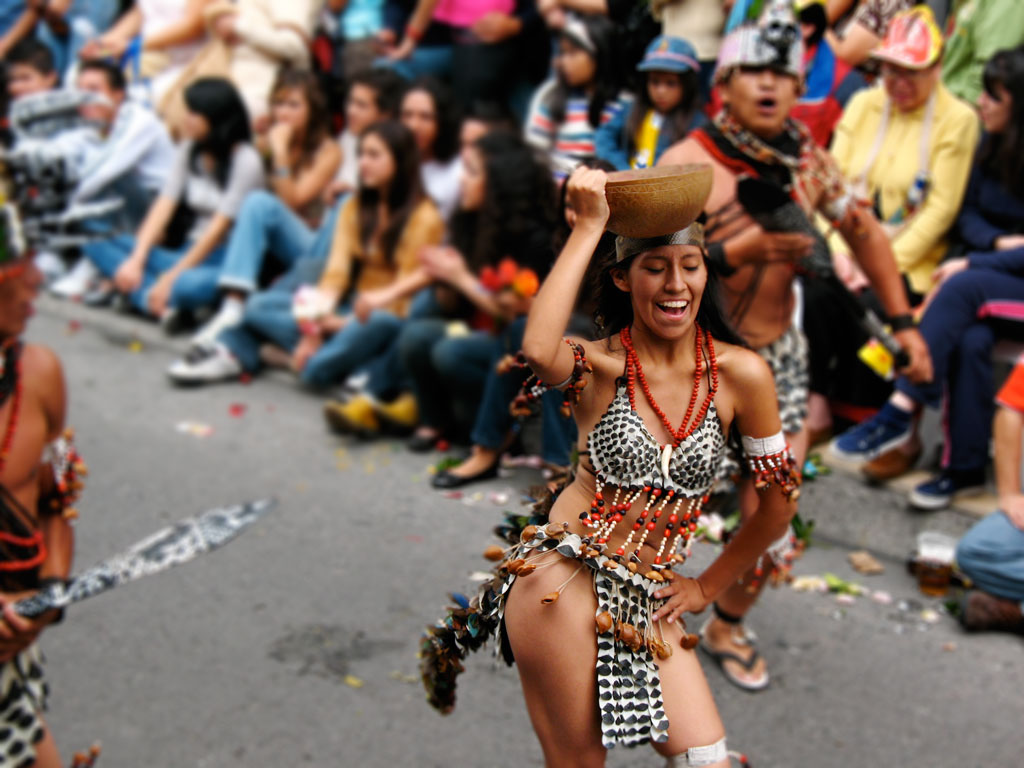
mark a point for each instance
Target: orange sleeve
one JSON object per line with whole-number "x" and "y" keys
{"x": 1012, "y": 393}
{"x": 425, "y": 227}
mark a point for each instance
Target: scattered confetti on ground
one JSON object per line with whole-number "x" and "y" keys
{"x": 353, "y": 682}
{"x": 74, "y": 326}
{"x": 237, "y": 410}
{"x": 195, "y": 428}
{"x": 135, "y": 346}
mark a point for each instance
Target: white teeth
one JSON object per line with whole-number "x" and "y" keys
{"x": 674, "y": 304}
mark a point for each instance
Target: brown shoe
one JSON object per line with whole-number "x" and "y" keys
{"x": 983, "y": 612}
{"x": 889, "y": 465}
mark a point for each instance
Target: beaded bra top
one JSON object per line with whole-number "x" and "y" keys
{"x": 625, "y": 454}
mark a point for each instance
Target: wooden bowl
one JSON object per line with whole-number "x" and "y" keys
{"x": 657, "y": 201}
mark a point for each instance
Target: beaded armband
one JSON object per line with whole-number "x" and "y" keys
{"x": 68, "y": 471}
{"x": 533, "y": 388}
{"x": 771, "y": 461}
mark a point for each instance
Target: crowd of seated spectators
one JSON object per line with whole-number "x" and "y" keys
{"x": 366, "y": 193}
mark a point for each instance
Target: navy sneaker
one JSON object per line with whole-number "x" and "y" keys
{"x": 937, "y": 493}
{"x": 886, "y": 430}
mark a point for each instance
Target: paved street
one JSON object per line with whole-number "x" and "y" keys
{"x": 295, "y": 645}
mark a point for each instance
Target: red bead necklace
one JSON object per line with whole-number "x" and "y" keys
{"x": 634, "y": 371}
{"x": 12, "y": 419}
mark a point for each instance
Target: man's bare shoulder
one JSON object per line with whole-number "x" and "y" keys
{"x": 689, "y": 150}
{"x": 43, "y": 375}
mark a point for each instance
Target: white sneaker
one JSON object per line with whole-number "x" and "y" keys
{"x": 51, "y": 265}
{"x": 204, "y": 365}
{"x": 78, "y": 281}
{"x": 229, "y": 315}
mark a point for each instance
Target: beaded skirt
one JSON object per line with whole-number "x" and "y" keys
{"x": 628, "y": 683}
{"x": 23, "y": 693}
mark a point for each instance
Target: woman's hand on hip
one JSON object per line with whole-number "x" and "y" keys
{"x": 682, "y": 596}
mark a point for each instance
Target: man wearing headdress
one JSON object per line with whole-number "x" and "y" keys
{"x": 37, "y": 485}
{"x": 760, "y": 78}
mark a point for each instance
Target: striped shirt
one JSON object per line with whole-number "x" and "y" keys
{"x": 571, "y": 141}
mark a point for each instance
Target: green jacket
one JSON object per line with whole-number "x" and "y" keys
{"x": 982, "y": 28}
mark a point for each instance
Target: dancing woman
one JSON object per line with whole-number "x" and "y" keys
{"x": 640, "y": 485}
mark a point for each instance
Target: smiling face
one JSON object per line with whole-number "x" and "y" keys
{"x": 760, "y": 99}
{"x": 665, "y": 286}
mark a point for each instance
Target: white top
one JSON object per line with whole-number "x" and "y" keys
{"x": 442, "y": 182}
{"x": 156, "y": 15}
{"x": 204, "y": 195}
{"x": 348, "y": 173}
{"x": 138, "y": 146}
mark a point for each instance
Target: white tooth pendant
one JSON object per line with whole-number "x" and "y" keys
{"x": 666, "y": 458}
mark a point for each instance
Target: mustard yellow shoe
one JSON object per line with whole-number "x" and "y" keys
{"x": 400, "y": 415}
{"x": 354, "y": 417}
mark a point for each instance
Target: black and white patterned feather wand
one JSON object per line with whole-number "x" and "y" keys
{"x": 171, "y": 546}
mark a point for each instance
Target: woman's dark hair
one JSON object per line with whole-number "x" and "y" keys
{"x": 601, "y": 31}
{"x": 114, "y": 74}
{"x": 446, "y": 116}
{"x": 615, "y": 308}
{"x": 517, "y": 214}
{"x": 677, "y": 122}
{"x": 1002, "y": 155}
{"x": 494, "y": 114}
{"x": 217, "y": 100}
{"x": 404, "y": 192}
{"x": 318, "y": 127}
{"x": 387, "y": 86}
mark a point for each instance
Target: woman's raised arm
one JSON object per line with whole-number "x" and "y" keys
{"x": 549, "y": 358}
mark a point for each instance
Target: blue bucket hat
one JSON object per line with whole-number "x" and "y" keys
{"x": 669, "y": 54}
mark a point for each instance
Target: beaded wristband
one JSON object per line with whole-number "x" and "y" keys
{"x": 68, "y": 471}
{"x": 771, "y": 461}
{"x": 533, "y": 388}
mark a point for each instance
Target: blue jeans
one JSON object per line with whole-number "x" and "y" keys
{"x": 992, "y": 554}
{"x": 448, "y": 372}
{"x": 268, "y": 317}
{"x": 493, "y": 419}
{"x": 960, "y": 327}
{"x": 264, "y": 224}
{"x": 194, "y": 288}
{"x": 387, "y": 375}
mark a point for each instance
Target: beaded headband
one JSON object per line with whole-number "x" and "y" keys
{"x": 627, "y": 247}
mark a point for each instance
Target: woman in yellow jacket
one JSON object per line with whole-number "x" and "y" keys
{"x": 909, "y": 144}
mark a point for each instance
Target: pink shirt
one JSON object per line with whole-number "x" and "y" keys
{"x": 463, "y": 13}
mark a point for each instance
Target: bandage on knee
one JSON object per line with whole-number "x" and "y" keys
{"x": 696, "y": 757}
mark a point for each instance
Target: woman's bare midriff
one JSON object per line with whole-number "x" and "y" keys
{"x": 576, "y": 498}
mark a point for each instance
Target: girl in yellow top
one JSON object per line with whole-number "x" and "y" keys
{"x": 355, "y": 312}
{"x": 909, "y": 144}
{"x": 666, "y": 108}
